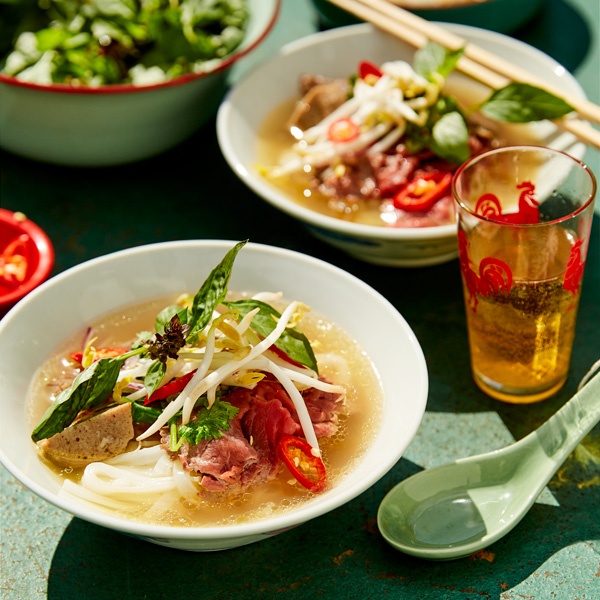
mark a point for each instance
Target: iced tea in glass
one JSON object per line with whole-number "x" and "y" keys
{"x": 524, "y": 218}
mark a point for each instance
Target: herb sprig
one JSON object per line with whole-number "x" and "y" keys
{"x": 446, "y": 132}
{"x": 208, "y": 424}
{"x": 89, "y": 389}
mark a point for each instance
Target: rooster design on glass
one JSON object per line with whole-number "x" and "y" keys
{"x": 494, "y": 276}
{"x": 575, "y": 266}
{"x": 489, "y": 206}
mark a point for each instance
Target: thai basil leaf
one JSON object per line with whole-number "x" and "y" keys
{"x": 144, "y": 414}
{"x": 212, "y": 292}
{"x": 89, "y": 389}
{"x": 450, "y": 138}
{"x": 143, "y": 337}
{"x": 154, "y": 375}
{"x": 163, "y": 318}
{"x": 433, "y": 58}
{"x": 523, "y": 103}
{"x": 293, "y": 342}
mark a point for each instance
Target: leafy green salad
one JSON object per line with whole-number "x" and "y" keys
{"x": 103, "y": 42}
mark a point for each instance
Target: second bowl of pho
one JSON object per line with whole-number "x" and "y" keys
{"x": 203, "y": 395}
{"x": 356, "y": 135}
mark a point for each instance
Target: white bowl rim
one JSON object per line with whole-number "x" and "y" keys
{"x": 337, "y": 226}
{"x": 275, "y": 523}
{"x": 127, "y": 88}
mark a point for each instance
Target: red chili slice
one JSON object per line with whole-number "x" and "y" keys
{"x": 366, "y": 69}
{"x": 173, "y": 387}
{"x": 307, "y": 469}
{"x": 15, "y": 260}
{"x": 343, "y": 130}
{"x": 423, "y": 191}
{"x": 108, "y": 352}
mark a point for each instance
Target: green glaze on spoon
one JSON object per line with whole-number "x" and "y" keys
{"x": 456, "y": 509}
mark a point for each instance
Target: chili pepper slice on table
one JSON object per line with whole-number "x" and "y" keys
{"x": 420, "y": 194}
{"x": 14, "y": 260}
{"x": 343, "y": 130}
{"x": 297, "y": 455}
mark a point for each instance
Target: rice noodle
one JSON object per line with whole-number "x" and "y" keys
{"x": 107, "y": 479}
{"x": 133, "y": 478}
{"x": 162, "y": 504}
{"x": 138, "y": 457}
{"x": 184, "y": 482}
{"x": 70, "y": 490}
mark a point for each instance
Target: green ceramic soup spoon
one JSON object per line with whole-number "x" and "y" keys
{"x": 454, "y": 510}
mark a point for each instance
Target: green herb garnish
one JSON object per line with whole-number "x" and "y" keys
{"x": 209, "y": 423}
{"x": 212, "y": 293}
{"x": 89, "y": 389}
{"x": 446, "y": 132}
{"x": 103, "y": 42}
{"x": 523, "y": 103}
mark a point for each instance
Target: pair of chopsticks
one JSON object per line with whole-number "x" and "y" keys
{"x": 476, "y": 62}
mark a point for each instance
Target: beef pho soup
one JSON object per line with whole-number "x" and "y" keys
{"x": 247, "y": 411}
{"x": 379, "y": 147}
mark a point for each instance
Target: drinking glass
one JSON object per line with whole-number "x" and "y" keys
{"x": 524, "y": 217}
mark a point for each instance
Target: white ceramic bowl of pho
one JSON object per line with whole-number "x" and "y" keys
{"x": 346, "y": 431}
{"x": 254, "y": 136}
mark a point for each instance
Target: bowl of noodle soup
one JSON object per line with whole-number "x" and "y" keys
{"x": 256, "y": 140}
{"x": 121, "y": 287}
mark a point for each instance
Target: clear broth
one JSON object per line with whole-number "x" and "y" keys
{"x": 275, "y": 141}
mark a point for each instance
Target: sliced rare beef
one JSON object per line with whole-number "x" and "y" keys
{"x": 323, "y": 408}
{"x": 245, "y": 455}
{"x": 229, "y": 461}
{"x": 320, "y": 97}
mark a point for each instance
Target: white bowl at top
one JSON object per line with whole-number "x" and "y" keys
{"x": 336, "y": 53}
{"x": 116, "y": 124}
{"x": 96, "y": 288}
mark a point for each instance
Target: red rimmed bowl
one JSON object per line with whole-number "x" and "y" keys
{"x": 117, "y": 124}
{"x": 26, "y": 257}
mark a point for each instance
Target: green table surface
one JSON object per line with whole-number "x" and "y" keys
{"x": 190, "y": 193}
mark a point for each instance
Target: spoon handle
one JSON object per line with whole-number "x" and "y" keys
{"x": 560, "y": 434}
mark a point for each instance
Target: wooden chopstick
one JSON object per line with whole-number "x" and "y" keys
{"x": 433, "y": 4}
{"x": 585, "y": 108}
{"x": 474, "y": 62}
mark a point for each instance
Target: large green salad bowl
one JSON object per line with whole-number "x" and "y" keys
{"x": 112, "y": 124}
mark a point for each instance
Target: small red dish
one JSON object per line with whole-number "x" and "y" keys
{"x": 26, "y": 257}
